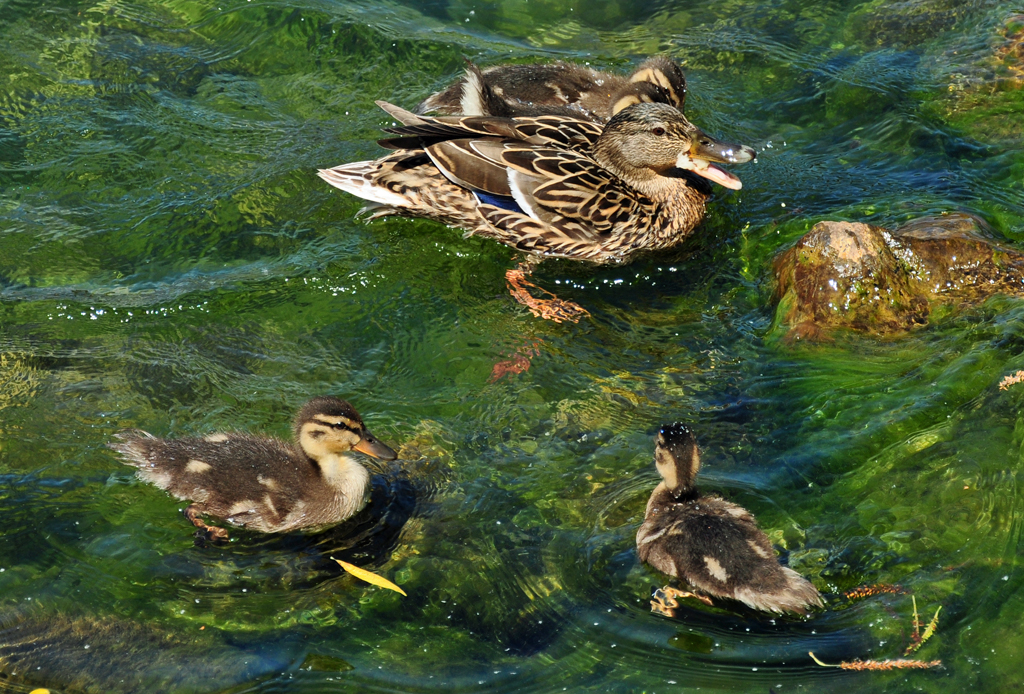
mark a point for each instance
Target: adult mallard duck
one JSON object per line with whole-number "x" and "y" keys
{"x": 264, "y": 483}
{"x": 560, "y": 88}
{"x": 551, "y": 186}
{"x": 712, "y": 544}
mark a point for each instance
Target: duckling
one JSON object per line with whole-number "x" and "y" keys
{"x": 559, "y": 88}
{"x": 712, "y": 544}
{"x": 550, "y": 186}
{"x": 264, "y": 483}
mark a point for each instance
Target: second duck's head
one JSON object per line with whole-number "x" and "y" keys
{"x": 677, "y": 458}
{"x": 328, "y": 426}
{"x": 649, "y": 139}
{"x": 660, "y": 73}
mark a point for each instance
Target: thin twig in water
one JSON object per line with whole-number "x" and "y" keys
{"x": 915, "y": 636}
{"x": 917, "y": 639}
{"x": 900, "y": 664}
{"x": 932, "y": 626}
{"x": 861, "y": 592}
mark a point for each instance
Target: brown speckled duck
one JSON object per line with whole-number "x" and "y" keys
{"x": 559, "y": 88}
{"x": 263, "y": 483}
{"x": 712, "y": 544}
{"x": 551, "y": 186}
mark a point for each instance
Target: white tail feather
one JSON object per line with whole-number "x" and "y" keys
{"x": 352, "y": 178}
{"x": 472, "y": 102}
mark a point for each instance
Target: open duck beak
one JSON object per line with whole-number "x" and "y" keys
{"x": 706, "y": 149}
{"x": 372, "y": 447}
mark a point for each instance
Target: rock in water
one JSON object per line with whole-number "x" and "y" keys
{"x": 853, "y": 275}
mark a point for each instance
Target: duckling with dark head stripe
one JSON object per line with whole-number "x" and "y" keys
{"x": 712, "y": 544}
{"x": 560, "y": 88}
{"x": 263, "y": 483}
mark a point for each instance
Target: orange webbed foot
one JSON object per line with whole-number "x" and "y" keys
{"x": 664, "y": 601}
{"x": 204, "y": 532}
{"x": 553, "y": 309}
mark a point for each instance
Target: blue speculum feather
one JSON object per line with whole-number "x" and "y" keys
{"x": 505, "y": 202}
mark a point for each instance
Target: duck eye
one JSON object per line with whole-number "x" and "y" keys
{"x": 659, "y": 131}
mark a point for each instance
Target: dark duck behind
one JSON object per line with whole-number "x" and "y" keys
{"x": 560, "y": 88}
{"x": 712, "y": 544}
{"x": 263, "y": 483}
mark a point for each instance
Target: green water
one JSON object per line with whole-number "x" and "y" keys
{"x": 170, "y": 261}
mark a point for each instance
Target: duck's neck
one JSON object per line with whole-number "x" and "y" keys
{"x": 663, "y": 497}
{"x": 346, "y": 477}
{"x": 682, "y": 203}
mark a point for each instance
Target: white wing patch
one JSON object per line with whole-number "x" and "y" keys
{"x": 517, "y": 179}
{"x": 716, "y": 569}
{"x": 655, "y": 536}
{"x": 197, "y": 466}
{"x": 758, "y": 550}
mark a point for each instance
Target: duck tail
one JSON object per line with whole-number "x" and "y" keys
{"x": 133, "y": 445}
{"x": 401, "y": 115}
{"x": 360, "y": 179}
{"x": 136, "y": 448}
{"x": 797, "y": 595}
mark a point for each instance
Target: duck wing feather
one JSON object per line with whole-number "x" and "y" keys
{"x": 566, "y": 203}
{"x": 418, "y": 132}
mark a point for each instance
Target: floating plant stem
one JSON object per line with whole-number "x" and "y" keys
{"x": 898, "y": 664}
{"x": 861, "y": 592}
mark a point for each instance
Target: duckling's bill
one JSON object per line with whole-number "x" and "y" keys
{"x": 374, "y": 448}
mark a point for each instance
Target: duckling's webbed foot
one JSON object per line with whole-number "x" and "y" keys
{"x": 209, "y": 533}
{"x": 554, "y": 308}
{"x": 664, "y": 601}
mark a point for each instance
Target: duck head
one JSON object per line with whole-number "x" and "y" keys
{"x": 331, "y": 426}
{"x": 665, "y": 74}
{"x": 677, "y": 458}
{"x": 647, "y": 140}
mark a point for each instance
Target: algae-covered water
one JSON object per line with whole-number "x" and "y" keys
{"x": 170, "y": 261}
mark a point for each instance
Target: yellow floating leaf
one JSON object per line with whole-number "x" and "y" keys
{"x": 369, "y": 576}
{"x": 40, "y": 691}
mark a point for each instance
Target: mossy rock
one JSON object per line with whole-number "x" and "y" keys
{"x": 853, "y": 275}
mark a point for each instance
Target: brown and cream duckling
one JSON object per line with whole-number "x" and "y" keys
{"x": 712, "y": 544}
{"x": 263, "y": 483}
{"x": 560, "y": 88}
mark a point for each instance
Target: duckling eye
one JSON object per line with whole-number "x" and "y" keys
{"x": 658, "y": 130}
